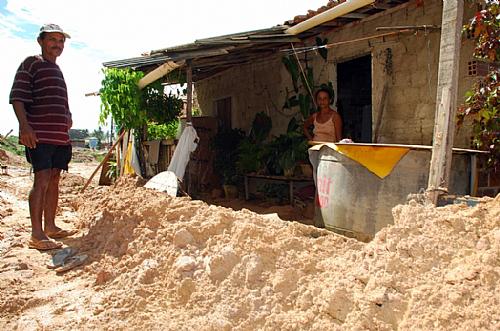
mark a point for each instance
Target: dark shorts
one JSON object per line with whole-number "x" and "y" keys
{"x": 47, "y": 156}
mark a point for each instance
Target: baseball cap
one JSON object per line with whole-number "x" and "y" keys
{"x": 53, "y": 28}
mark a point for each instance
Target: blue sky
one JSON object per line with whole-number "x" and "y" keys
{"x": 113, "y": 29}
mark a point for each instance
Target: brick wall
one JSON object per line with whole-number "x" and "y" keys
{"x": 408, "y": 117}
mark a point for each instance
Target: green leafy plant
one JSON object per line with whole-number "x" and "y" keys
{"x": 484, "y": 28}
{"x": 121, "y": 98}
{"x": 132, "y": 108}
{"x": 12, "y": 145}
{"x": 252, "y": 149}
{"x": 285, "y": 151}
{"x": 482, "y": 101}
{"x": 302, "y": 96}
{"x": 163, "y": 131}
{"x": 292, "y": 67}
{"x": 482, "y": 105}
{"x": 160, "y": 107}
{"x": 112, "y": 172}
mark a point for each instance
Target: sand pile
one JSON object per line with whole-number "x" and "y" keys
{"x": 158, "y": 262}
{"x": 84, "y": 155}
{"x": 71, "y": 183}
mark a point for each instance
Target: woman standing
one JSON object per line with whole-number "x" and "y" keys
{"x": 326, "y": 121}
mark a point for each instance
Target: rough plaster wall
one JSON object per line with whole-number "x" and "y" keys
{"x": 256, "y": 87}
{"x": 408, "y": 117}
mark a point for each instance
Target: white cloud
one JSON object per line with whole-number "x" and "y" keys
{"x": 111, "y": 30}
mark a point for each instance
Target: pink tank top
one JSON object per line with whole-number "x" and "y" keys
{"x": 324, "y": 131}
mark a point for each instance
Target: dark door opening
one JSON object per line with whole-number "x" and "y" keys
{"x": 354, "y": 80}
{"x": 223, "y": 114}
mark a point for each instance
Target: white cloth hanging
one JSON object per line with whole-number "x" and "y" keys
{"x": 187, "y": 144}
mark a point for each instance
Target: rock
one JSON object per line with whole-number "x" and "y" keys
{"x": 220, "y": 265}
{"x": 185, "y": 264}
{"x": 182, "y": 238}
{"x": 254, "y": 267}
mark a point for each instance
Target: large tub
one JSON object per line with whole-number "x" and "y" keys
{"x": 355, "y": 201}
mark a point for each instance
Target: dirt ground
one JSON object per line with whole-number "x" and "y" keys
{"x": 162, "y": 263}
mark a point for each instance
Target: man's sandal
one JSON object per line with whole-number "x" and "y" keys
{"x": 71, "y": 262}
{"x": 43, "y": 245}
{"x": 61, "y": 233}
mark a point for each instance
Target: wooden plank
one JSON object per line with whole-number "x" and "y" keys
{"x": 381, "y": 108}
{"x": 106, "y": 157}
{"x": 446, "y": 99}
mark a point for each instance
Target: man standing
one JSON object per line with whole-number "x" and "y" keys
{"x": 40, "y": 101}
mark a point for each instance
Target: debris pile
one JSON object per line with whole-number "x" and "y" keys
{"x": 157, "y": 262}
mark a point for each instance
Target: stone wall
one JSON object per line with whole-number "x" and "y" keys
{"x": 411, "y": 76}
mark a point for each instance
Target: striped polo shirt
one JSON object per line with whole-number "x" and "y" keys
{"x": 40, "y": 85}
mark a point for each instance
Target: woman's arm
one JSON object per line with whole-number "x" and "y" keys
{"x": 338, "y": 126}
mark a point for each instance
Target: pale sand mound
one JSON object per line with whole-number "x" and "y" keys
{"x": 157, "y": 262}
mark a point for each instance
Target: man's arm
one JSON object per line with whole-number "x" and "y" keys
{"x": 27, "y": 136}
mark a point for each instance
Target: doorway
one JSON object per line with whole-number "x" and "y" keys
{"x": 354, "y": 102}
{"x": 223, "y": 114}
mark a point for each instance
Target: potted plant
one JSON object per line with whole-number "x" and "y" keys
{"x": 286, "y": 150}
{"x": 252, "y": 149}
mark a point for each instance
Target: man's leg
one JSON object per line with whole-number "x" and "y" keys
{"x": 37, "y": 201}
{"x": 51, "y": 201}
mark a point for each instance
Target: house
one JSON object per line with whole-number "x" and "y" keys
{"x": 381, "y": 57}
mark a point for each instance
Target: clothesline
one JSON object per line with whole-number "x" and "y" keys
{"x": 298, "y": 50}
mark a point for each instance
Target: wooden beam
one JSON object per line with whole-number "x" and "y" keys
{"x": 446, "y": 99}
{"x": 355, "y": 15}
{"x": 189, "y": 79}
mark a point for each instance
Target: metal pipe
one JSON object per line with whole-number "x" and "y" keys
{"x": 159, "y": 72}
{"x": 328, "y": 15}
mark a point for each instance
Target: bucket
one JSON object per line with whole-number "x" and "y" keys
{"x": 353, "y": 201}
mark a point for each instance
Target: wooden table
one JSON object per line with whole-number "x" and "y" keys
{"x": 289, "y": 180}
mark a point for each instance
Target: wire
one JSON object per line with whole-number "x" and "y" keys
{"x": 304, "y": 76}
{"x": 327, "y": 46}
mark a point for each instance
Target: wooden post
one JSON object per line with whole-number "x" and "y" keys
{"x": 189, "y": 113}
{"x": 189, "y": 105}
{"x": 446, "y": 99}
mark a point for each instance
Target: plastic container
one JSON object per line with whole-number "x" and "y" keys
{"x": 353, "y": 201}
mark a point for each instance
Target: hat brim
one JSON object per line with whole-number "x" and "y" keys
{"x": 58, "y": 31}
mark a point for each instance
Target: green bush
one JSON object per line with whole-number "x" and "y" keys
{"x": 163, "y": 131}
{"x": 12, "y": 145}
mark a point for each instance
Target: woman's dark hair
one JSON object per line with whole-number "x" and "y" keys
{"x": 326, "y": 90}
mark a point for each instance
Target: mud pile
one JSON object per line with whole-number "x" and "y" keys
{"x": 158, "y": 262}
